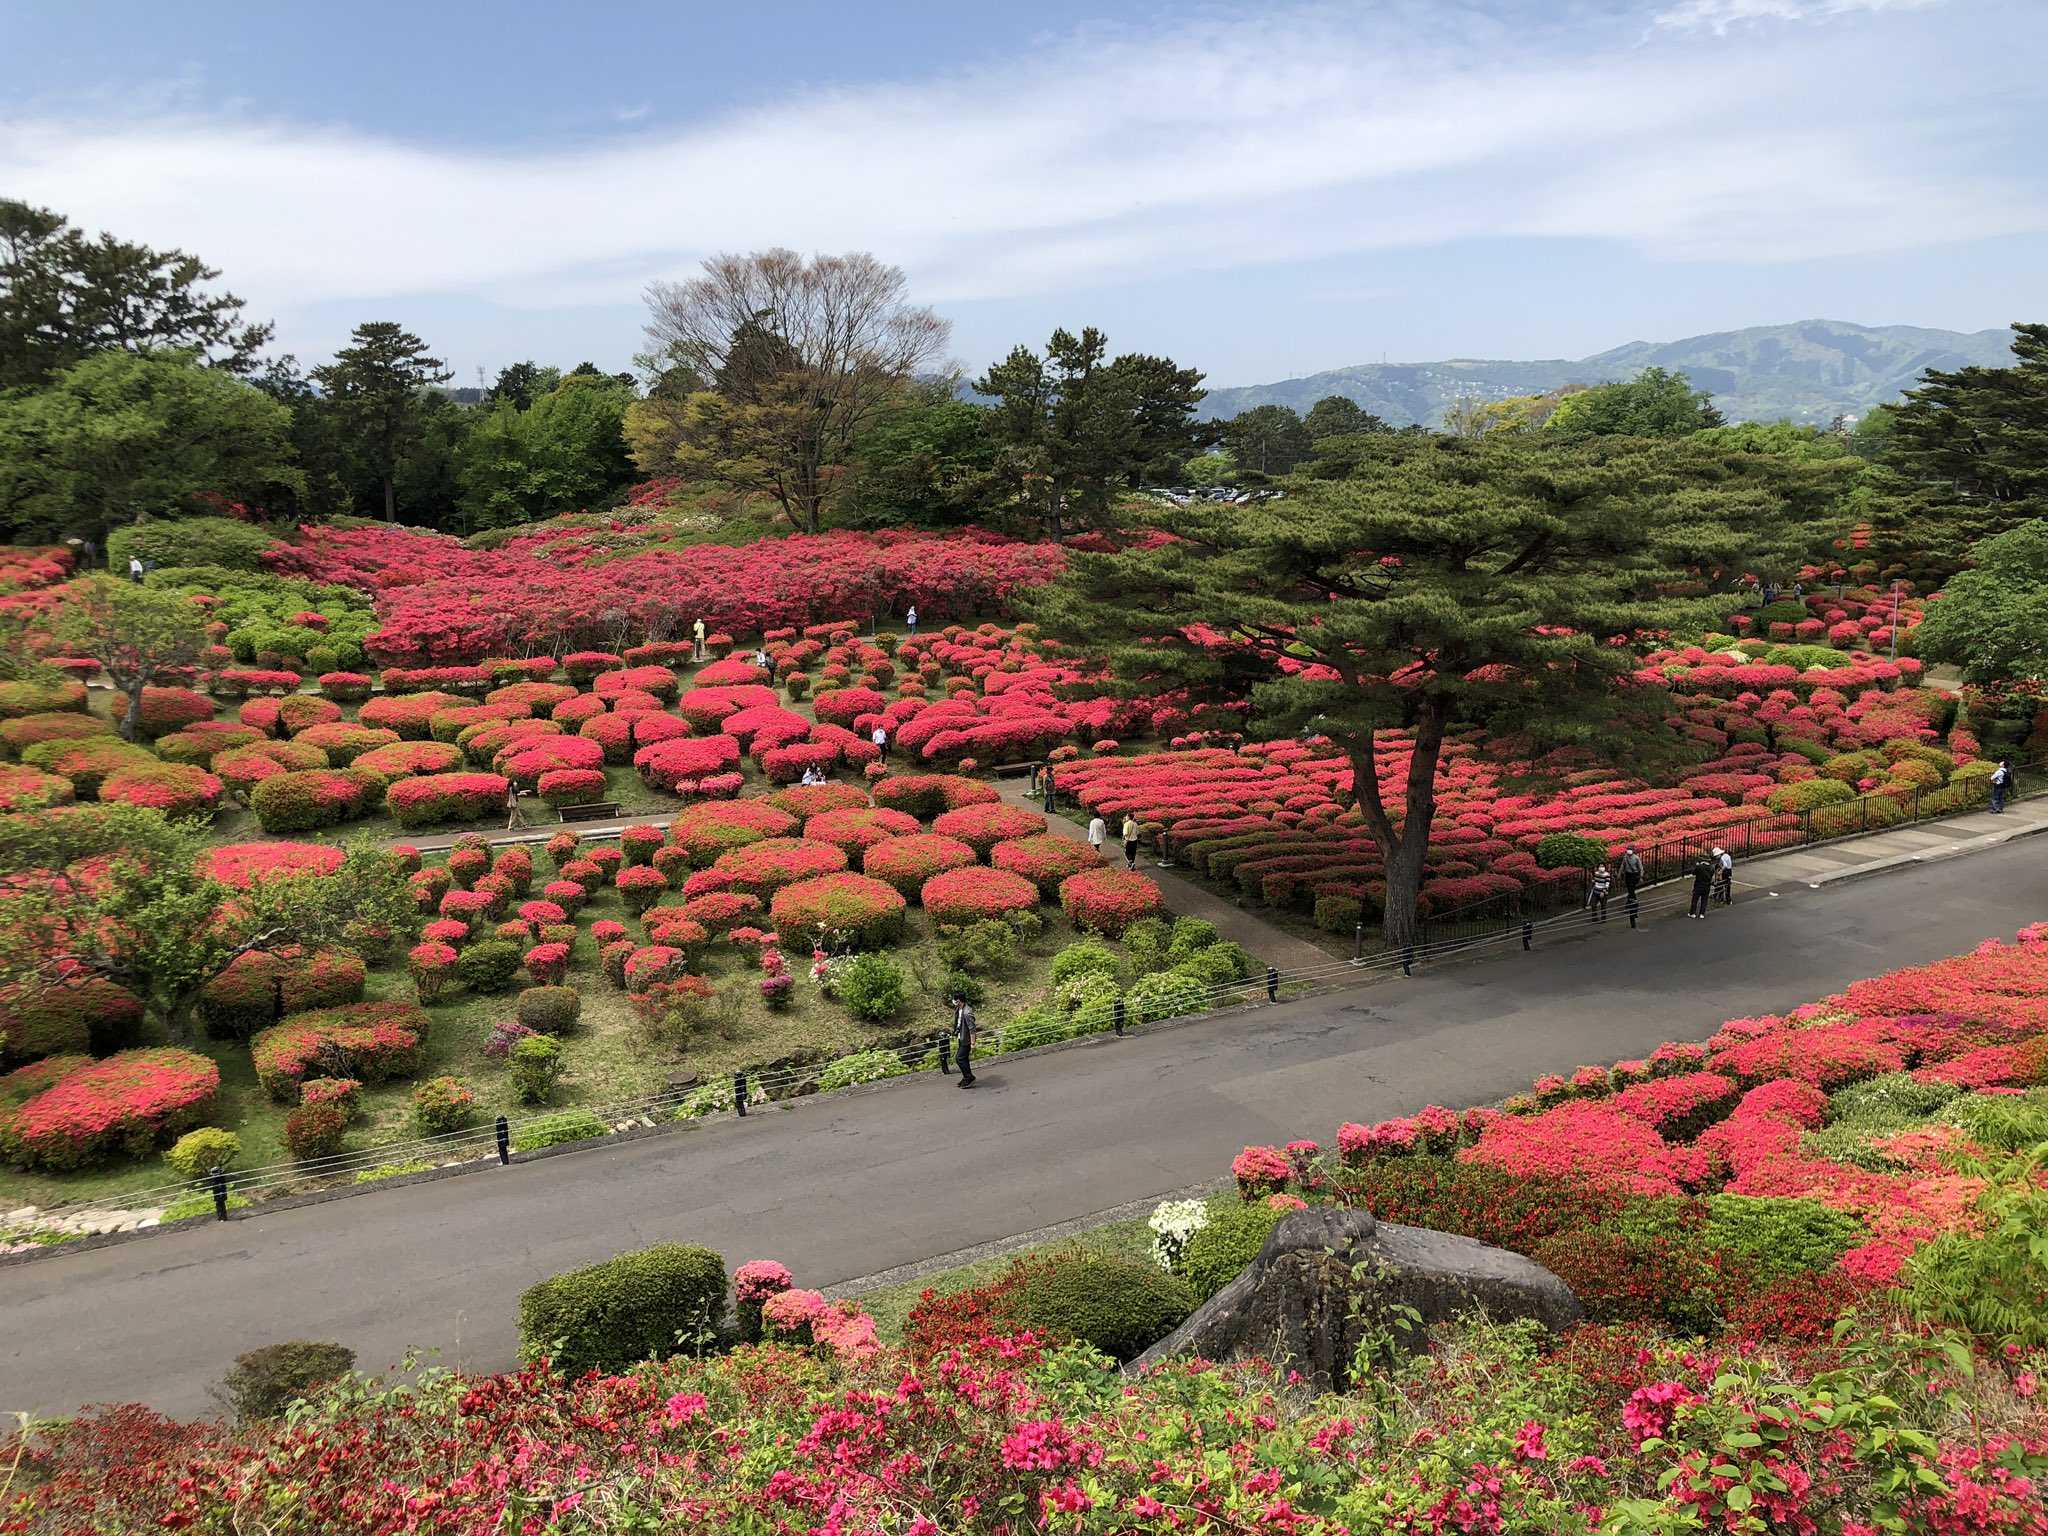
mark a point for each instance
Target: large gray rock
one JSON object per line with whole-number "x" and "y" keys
{"x": 1329, "y": 1279}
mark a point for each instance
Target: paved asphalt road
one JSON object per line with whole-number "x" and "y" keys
{"x": 858, "y": 1183}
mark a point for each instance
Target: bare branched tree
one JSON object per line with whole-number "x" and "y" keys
{"x": 804, "y": 354}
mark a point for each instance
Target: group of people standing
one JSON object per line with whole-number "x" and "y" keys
{"x": 1713, "y": 879}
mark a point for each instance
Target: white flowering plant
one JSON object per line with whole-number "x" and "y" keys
{"x": 1172, "y": 1224}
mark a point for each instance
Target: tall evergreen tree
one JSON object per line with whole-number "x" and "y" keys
{"x": 377, "y": 382}
{"x": 1446, "y": 584}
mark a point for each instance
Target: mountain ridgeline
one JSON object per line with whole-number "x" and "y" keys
{"x": 1810, "y": 372}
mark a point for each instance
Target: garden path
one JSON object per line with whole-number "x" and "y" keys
{"x": 853, "y": 1184}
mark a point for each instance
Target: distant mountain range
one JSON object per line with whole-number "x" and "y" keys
{"x": 1809, "y": 372}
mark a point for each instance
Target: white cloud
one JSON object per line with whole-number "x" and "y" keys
{"x": 1721, "y": 15}
{"x": 1118, "y": 155}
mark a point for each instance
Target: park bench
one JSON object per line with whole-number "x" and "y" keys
{"x": 597, "y": 810}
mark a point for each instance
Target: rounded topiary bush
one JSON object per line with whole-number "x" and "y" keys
{"x": 1109, "y": 900}
{"x": 550, "y": 1010}
{"x": 1570, "y": 850}
{"x": 1222, "y": 1249}
{"x": 313, "y": 798}
{"x": 443, "y": 797}
{"x": 314, "y": 1131}
{"x": 176, "y": 789}
{"x": 489, "y": 966}
{"x": 72, "y": 1111}
{"x": 854, "y": 831}
{"x": 342, "y": 743}
{"x": 763, "y": 868}
{"x": 973, "y": 894}
{"x": 983, "y": 826}
{"x": 66, "y": 1017}
{"x": 1810, "y": 794}
{"x": 715, "y": 827}
{"x": 608, "y": 1316}
{"x": 197, "y": 1153}
{"x": 1046, "y": 860}
{"x": 261, "y": 988}
{"x": 847, "y": 911}
{"x": 371, "y": 1042}
{"x": 441, "y": 1105}
{"x": 925, "y": 795}
{"x": 908, "y": 862}
{"x": 1120, "y": 1306}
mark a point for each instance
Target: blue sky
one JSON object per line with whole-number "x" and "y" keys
{"x": 1257, "y": 190}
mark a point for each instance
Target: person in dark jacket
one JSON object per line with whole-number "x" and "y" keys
{"x": 963, "y": 1040}
{"x": 1702, "y": 886}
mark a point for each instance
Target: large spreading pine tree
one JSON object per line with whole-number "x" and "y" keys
{"x": 1498, "y": 583}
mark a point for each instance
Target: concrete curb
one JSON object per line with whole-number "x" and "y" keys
{"x": 1982, "y": 844}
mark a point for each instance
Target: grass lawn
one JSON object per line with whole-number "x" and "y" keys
{"x": 890, "y": 1304}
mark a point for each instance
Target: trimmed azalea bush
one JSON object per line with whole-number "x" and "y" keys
{"x": 973, "y": 894}
{"x": 176, "y": 789}
{"x": 710, "y": 829}
{"x": 265, "y": 1382}
{"x": 441, "y": 1105}
{"x": 372, "y": 1042}
{"x": 317, "y": 797}
{"x": 907, "y": 863}
{"x": 197, "y": 1153}
{"x": 404, "y": 759}
{"x": 81, "y": 1112}
{"x": 982, "y": 826}
{"x": 854, "y": 831}
{"x": 846, "y": 911}
{"x": 315, "y": 1131}
{"x": 490, "y": 966}
{"x": 925, "y": 795}
{"x": 1109, "y": 900}
{"x": 242, "y": 865}
{"x": 608, "y": 1316}
{"x": 263, "y": 987}
{"x": 765, "y": 867}
{"x": 433, "y": 799}
{"x": 1046, "y": 860}
{"x": 343, "y": 743}
{"x": 67, "y": 1016}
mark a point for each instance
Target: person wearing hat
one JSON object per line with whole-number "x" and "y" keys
{"x": 1724, "y": 876}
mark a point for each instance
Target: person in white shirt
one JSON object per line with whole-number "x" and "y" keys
{"x": 1098, "y": 833}
{"x": 881, "y": 739}
{"x": 910, "y": 618}
{"x": 135, "y": 568}
{"x": 1724, "y": 876}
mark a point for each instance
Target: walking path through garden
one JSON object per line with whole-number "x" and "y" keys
{"x": 853, "y": 1184}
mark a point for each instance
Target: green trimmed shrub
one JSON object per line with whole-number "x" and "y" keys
{"x": 861, "y": 1067}
{"x": 314, "y": 1131}
{"x": 987, "y": 948}
{"x": 1164, "y": 995}
{"x": 1217, "y": 966}
{"x": 264, "y": 1382}
{"x": 1337, "y": 913}
{"x": 1891, "y": 1102}
{"x": 1120, "y": 1306}
{"x": 1570, "y": 850}
{"x": 489, "y": 966}
{"x": 442, "y": 1104}
{"x": 1775, "y": 1238}
{"x": 197, "y": 1153}
{"x": 1222, "y": 1250}
{"x": 872, "y": 987}
{"x": 1188, "y": 937}
{"x": 1085, "y": 957}
{"x": 1809, "y": 794}
{"x": 638, "y": 1306}
{"x": 559, "y": 1128}
{"x": 1147, "y": 940}
{"x": 536, "y": 1063}
{"x": 220, "y": 541}
{"x": 551, "y": 1010}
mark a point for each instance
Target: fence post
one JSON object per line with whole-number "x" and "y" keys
{"x": 945, "y": 1055}
{"x": 1117, "y": 1021}
{"x": 218, "y": 1180}
{"x": 504, "y": 1141}
{"x": 1634, "y": 907}
{"x": 1272, "y": 984}
{"x": 739, "y": 1093}
{"x": 1358, "y": 941}
{"x": 1408, "y": 960}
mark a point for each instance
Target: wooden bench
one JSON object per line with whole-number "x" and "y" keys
{"x": 1013, "y": 770}
{"x": 597, "y": 810}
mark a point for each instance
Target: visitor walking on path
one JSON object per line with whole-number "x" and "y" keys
{"x": 881, "y": 739}
{"x": 963, "y": 1040}
{"x": 511, "y": 805}
{"x": 1098, "y": 832}
{"x": 1631, "y": 880}
{"x": 1724, "y": 876}
{"x": 2001, "y": 782}
{"x": 1049, "y": 790}
{"x": 697, "y": 633}
{"x": 135, "y": 569}
{"x": 1702, "y": 886}
{"x": 1130, "y": 841}
{"x": 1596, "y": 893}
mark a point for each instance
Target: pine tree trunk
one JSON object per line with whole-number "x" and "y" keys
{"x": 1402, "y": 849}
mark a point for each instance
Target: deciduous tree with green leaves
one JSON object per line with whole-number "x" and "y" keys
{"x": 126, "y": 436}
{"x": 151, "y": 921}
{"x": 377, "y": 383}
{"x": 1992, "y": 621}
{"x": 1655, "y": 403}
{"x": 135, "y": 633}
{"x": 1338, "y": 416}
{"x": 1447, "y": 584}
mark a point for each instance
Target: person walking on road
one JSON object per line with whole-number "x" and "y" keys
{"x": 1597, "y": 891}
{"x": 1631, "y": 880}
{"x": 1098, "y": 832}
{"x": 1702, "y": 886}
{"x": 511, "y": 805}
{"x": 1724, "y": 876}
{"x": 2001, "y": 782}
{"x": 963, "y": 1040}
{"x": 881, "y": 739}
{"x": 1130, "y": 841}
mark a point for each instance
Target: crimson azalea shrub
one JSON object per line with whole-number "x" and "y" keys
{"x": 262, "y": 987}
{"x": 707, "y": 831}
{"x": 347, "y": 687}
{"x": 242, "y": 865}
{"x": 925, "y": 795}
{"x": 640, "y": 844}
{"x": 1109, "y": 900}
{"x": 682, "y": 764}
{"x": 371, "y": 1042}
{"x": 526, "y": 761}
{"x": 57, "y": 696}
{"x": 908, "y": 863}
{"x": 432, "y": 965}
{"x": 66, "y": 1017}
{"x": 84, "y": 1112}
{"x": 982, "y": 826}
{"x": 762, "y": 868}
{"x": 176, "y": 789}
{"x": 972, "y": 894}
{"x": 443, "y": 797}
{"x": 24, "y": 788}
{"x": 805, "y": 801}
{"x": 343, "y": 744}
{"x": 315, "y": 797}
{"x": 659, "y": 681}
{"x": 846, "y": 911}
{"x": 854, "y": 831}
{"x": 200, "y": 748}
{"x": 547, "y": 964}
{"x": 168, "y": 710}
{"x": 86, "y": 763}
{"x": 640, "y": 886}
{"x": 411, "y": 715}
{"x": 1045, "y": 860}
{"x": 401, "y": 760}
{"x": 441, "y": 1105}
{"x": 786, "y": 765}
{"x": 61, "y": 725}
{"x": 571, "y": 786}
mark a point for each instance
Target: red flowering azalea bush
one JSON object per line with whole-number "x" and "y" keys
{"x": 843, "y": 911}
{"x": 432, "y": 965}
{"x": 404, "y": 759}
{"x": 262, "y": 986}
{"x": 970, "y": 895}
{"x": 526, "y": 761}
{"x": 371, "y": 1042}
{"x": 982, "y": 826}
{"x": 88, "y": 1111}
{"x": 908, "y": 863}
{"x": 1046, "y": 860}
{"x": 437, "y": 798}
{"x": 706, "y": 831}
{"x": 1109, "y": 900}
{"x": 343, "y": 744}
{"x": 346, "y": 687}
{"x": 804, "y": 801}
{"x": 640, "y": 886}
{"x": 854, "y": 831}
{"x": 708, "y": 708}
{"x": 316, "y": 797}
{"x": 168, "y": 710}
{"x": 22, "y": 788}
{"x": 764, "y": 867}
{"x": 925, "y": 795}
{"x": 681, "y": 764}
{"x": 176, "y": 789}
{"x": 572, "y": 786}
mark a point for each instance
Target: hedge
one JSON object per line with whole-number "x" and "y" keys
{"x": 607, "y": 1316}
{"x": 439, "y": 797}
{"x": 221, "y": 541}
{"x": 344, "y": 743}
